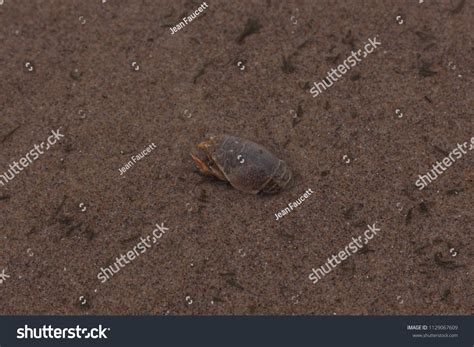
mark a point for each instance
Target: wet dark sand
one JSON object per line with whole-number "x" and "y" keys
{"x": 224, "y": 250}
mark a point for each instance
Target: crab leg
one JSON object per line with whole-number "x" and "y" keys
{"x": 201, "y": 166}
{"x": 210, "y": 170}
{"x": 217, "y": 172}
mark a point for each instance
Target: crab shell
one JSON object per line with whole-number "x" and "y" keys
{"x": 246, "y": 165}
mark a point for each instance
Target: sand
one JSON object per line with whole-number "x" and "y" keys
{"x": 114, "y": 79}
